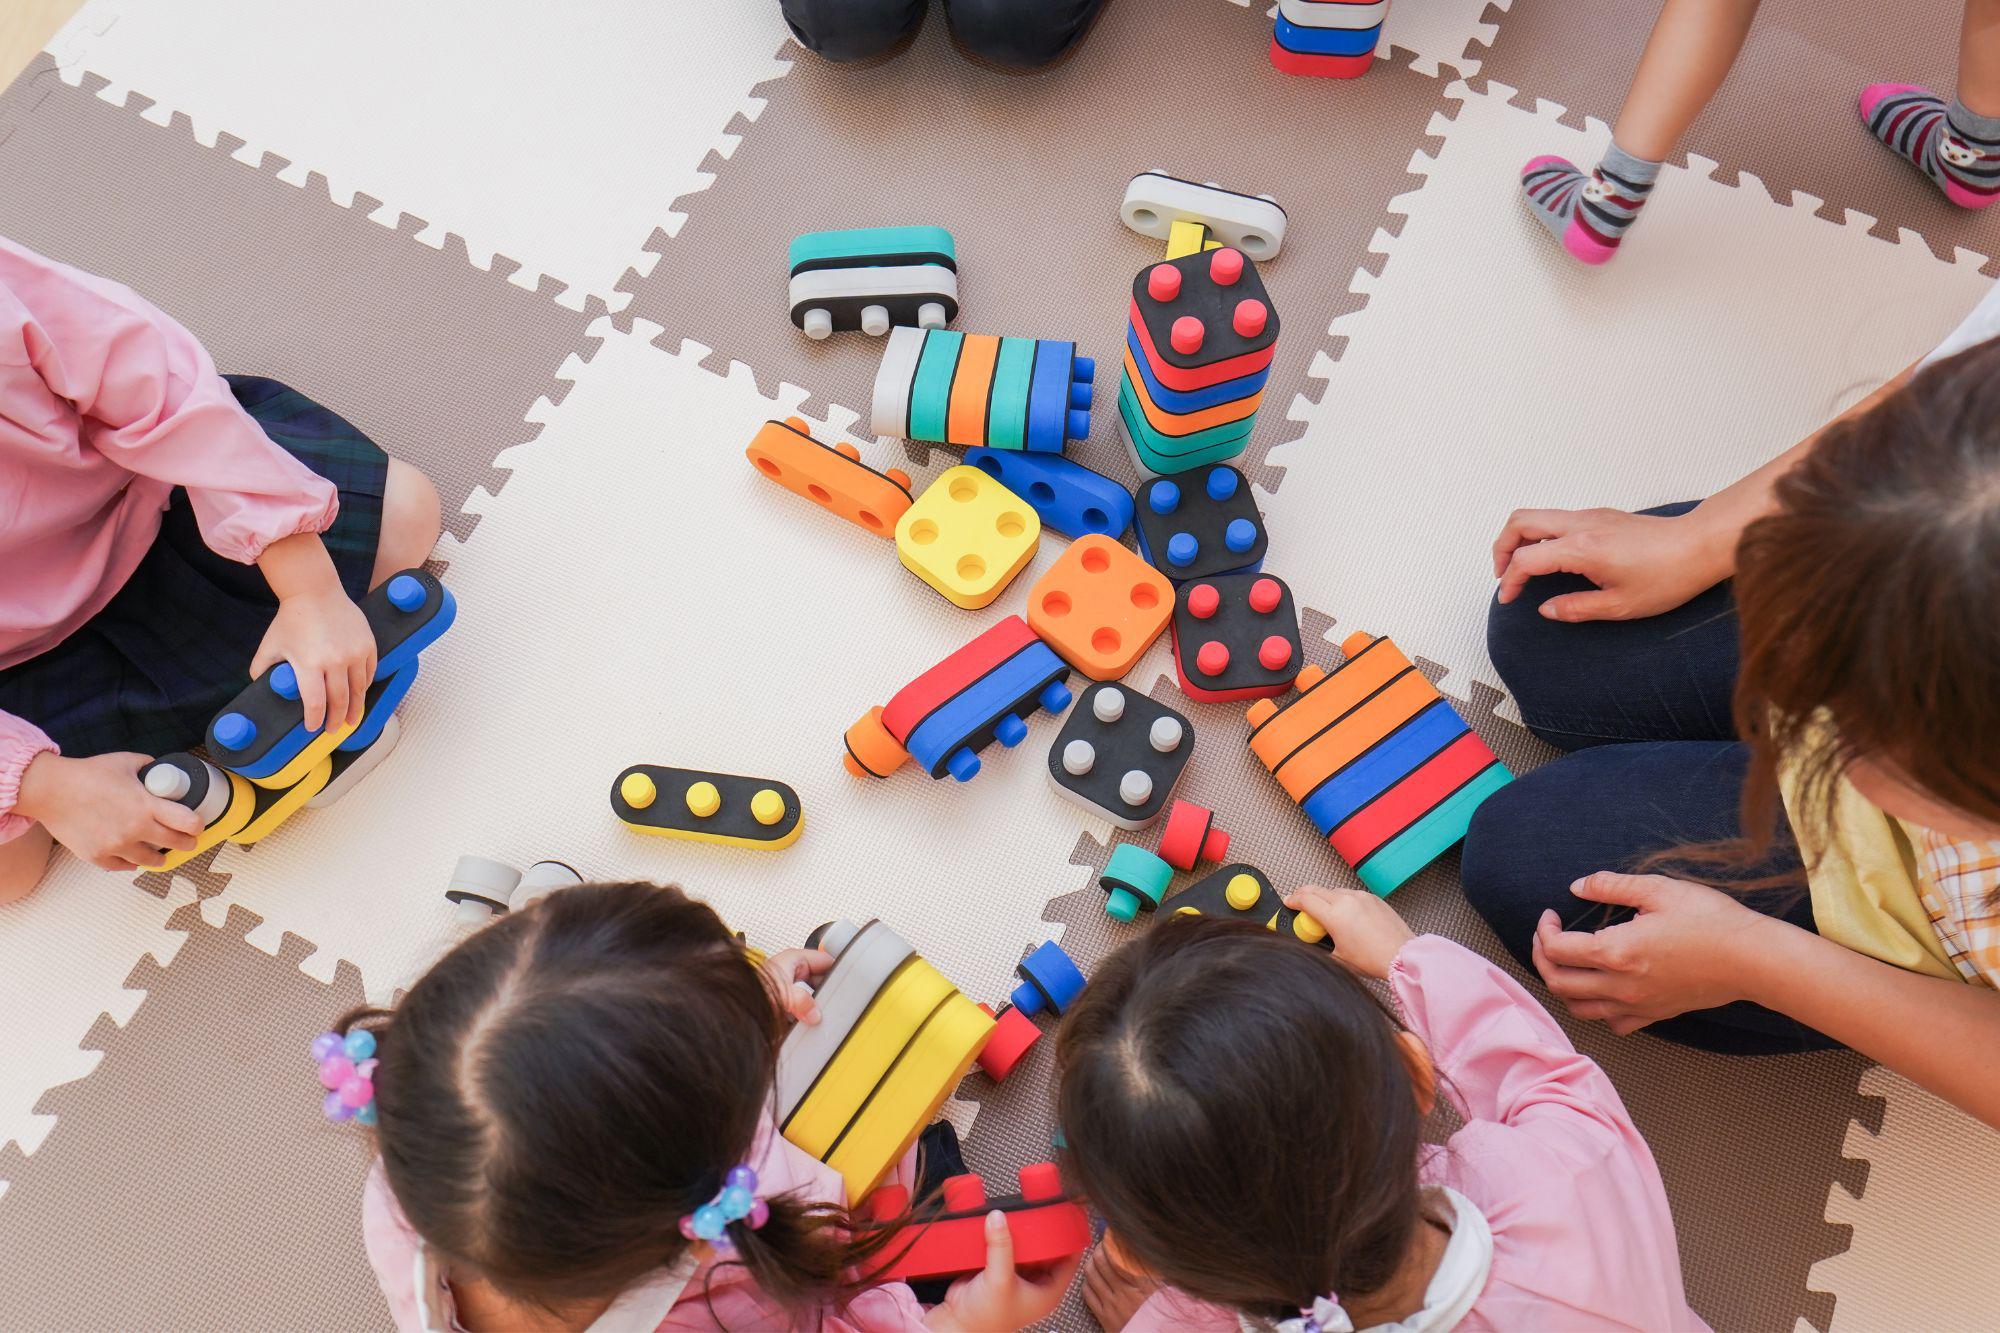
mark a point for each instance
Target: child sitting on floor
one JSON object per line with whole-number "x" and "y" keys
{"x": 563, "y": 1105}
{"x": 161, "y": 531}
{"x": 1247, "y": 1117}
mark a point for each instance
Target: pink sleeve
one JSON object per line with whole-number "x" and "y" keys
{"x": 20, "y": 741}
{"x": 392, "y": 1250}
{"x": 1502, "y": 1057}
{"x": 153, "y": 403}
{"x": 888, "y": 1308}
{"x": 1171, "y": 1311}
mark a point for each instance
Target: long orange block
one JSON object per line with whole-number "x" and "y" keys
{"x": 1279, "y": 730}
{"x": 1355, "y": 733}
{"x": 971, "y": 389}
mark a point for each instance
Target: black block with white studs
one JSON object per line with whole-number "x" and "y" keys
{"x": 1120, "y": 753}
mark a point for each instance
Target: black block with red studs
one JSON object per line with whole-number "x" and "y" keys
{"x": 1236, "y": 636}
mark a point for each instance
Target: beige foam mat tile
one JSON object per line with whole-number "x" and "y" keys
{"x": 1489, "y": 370}
{"x": 1786, "y": 115}
{"x": 191, "y": 1183}
{"x": 556, "y": 136}
{"x": 1922, "y": 1248}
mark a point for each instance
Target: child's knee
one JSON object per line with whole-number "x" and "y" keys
{"x": 852, "y": 29}
{"x": 412, "y": 517}
{"x": 24, "y": 861}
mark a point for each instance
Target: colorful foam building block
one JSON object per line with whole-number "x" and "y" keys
{"x": 946, "y": 1239}
{"x": 967, "y": 536}
{"x": 1333, "y": 39}
{"x": 1070, "y": 498}
{"x": 1014, "y": 1033}
{"x": 1199, "y": 344}
{"x": 977, "y": 389}
{"x": 1100, "y": 607}
{"x": 351, "y": 766}
{"x": 870, "y": 278}
{"x": 224, "y": 801}
{"x": 481, "y": 889}
{"x": 1200, "y": 524}
{"x": 1335, "y": 13}
{"x": 261, "y": 734}
{"x": 1050, "y": 979}
{"x": 832, "y": 476}
{"x": 1119, "y": 755}
{"x": 1244, "y": 893}
{"x": 978, "y": 695}
{"x": 1236, "y": 636}
{"x": 894, "y": 1038}
{"x": 1191, "y": 836}
{"x": 1134, "y": 881}
{"x": 1155, "y": 201}
{"x": 1382, "y": 764}
{"x": 700, "y": 806}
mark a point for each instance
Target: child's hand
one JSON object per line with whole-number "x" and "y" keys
{"x": 1366, "y": 932}
{"x": 998, "y": 1296}
{"x": 789, "y": 971}
{"x": 98, "y": 808}
{"x": 1112, "y": 1292}
{"x": 326, "y": 638}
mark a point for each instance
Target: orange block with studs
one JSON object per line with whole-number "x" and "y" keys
{"x": 1100, "y": 606}
{"x": 832, "y": 476}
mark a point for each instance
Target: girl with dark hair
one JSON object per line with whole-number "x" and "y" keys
{"x": 1790, "y": 690}
{"x": 1248, "y": 1118}
{"x": 573, "y": 1114}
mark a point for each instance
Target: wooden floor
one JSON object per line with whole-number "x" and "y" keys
{"x": 25, "y": 26}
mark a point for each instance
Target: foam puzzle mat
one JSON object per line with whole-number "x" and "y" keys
{"x": 538, "y": 251}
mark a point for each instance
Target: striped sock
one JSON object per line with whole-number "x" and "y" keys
{"x": 1954, "y": 147}
{"x": 1589, "y": 214}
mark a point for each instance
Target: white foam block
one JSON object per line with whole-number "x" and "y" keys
{"x": 556, "y": 135}
{"x": 1489, "y": 371}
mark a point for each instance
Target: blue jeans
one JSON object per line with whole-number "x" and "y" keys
{"x": 1021, "y": 33}
{"x": 1643, "y": 708}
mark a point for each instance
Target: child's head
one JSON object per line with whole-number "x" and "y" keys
{"x": 1245, "y": 1115}
{"x": 568, "y": 1083}
{"x": 1868, "y": 599}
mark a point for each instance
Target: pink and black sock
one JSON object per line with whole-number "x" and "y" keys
{"x": 1957, "y": 148}
{"x": 1589, "y": 214}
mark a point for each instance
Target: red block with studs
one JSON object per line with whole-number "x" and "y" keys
{"x": 1236, "y": 636}
{"x": 1203, "y": 318}
{"x": 946, "y": 1238}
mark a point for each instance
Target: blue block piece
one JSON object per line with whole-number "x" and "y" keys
{"x": 1068, "y": 496}
{"x": 1192, "y": 400}
{"x": 285, "y": 681}
{"x": 235, "y": 730}
{"x": 384, "y": 698}
{"x": 1392, "y": 759}
{"x": 1080, "y": 393}
{"x": 1055, "y": 696}
{"x": 1326, "y": 41}
{"x": 406, "y": 652}
{"x": 1050, "y": 979}
{"x": 1200, "y": 524}
{"x": 1010, "y": 730}
{"x": 966, "y": 722}
{"x": 1052, "y": 418}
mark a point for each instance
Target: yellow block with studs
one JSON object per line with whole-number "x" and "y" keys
{"x": 892, "y": 1021}
{"x": 274, "y": 808}
{"x": 701, "y": 806}
{"x": 910, "y": 1097}
{"x": 968, "y": 536}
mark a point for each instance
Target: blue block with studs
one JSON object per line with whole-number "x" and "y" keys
{"x": 1200, "y": 524}
{"x": 1050, "y": 979}
{"x": 1069, "y": 497}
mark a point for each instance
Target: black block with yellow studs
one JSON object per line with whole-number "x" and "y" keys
{"x": 707, "y": 807}
{"x": 1244, "y": 893}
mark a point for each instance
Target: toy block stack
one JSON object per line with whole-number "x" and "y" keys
{"x": 869, "y": 278}
{"x": 1197, "y": 353}
{"x": 1332, "y": 39}
{"x": 1382, "y": 764}
{"x": 947, "y": 387}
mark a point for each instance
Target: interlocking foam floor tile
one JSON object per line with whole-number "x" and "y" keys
{"x": 1027, "y": 174}
{"x": 1489, "y": 370}
{"x": 555, "y": 135}
{"x": 434, "y": 359}
{"x": 1787, "y": 113}
{"x": 191, "y": 1182}
{"x": 1440, "y": 32}
{"x": 639, "y": 593}
{"x": 1922, "y": 1252}
{"x": 65, "y": 955}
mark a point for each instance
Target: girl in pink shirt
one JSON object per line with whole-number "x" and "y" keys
{"x": 1248, "y": 1118}
{"x": 565, "y": 1094}
{"x": 165, "y": 534}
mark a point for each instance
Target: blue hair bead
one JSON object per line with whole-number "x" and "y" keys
{"x": 360, "y": 1044}
{"x": 365, "y": 1115}
{"x": 708, "y": 1222}
{"x": 735, "y": 1203}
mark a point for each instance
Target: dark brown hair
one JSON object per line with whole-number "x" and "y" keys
{"x": 568, "y": 1082}
{"x": 1238, "y": 1109}
{"x": 1870, "y": 606}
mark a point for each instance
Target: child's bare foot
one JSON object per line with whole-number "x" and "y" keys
{"x": 1111, "y": 1293}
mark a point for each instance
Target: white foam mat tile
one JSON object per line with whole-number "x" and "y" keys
{"x": 639, "y": 593}
{"x": 555, "y": 135}
{"x": 1922, "y": 1252}
{"x": 65, "y": 953}
{"x": 1439, "y": 32}
{"x": 1489, "y": 370}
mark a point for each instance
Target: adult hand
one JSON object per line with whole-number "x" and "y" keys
{"x": 1642, "y": 564}
{"x": 1367, "y": 933}
{"x": 98, "y": 808}
{"x": 326, "y": 638}
{"x": 1689, "y": 947}
{"x": 1000, "y": 1296}
{"x": 790, "y": 971}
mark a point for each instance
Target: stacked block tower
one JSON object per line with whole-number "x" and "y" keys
{"x": 947, "y": 387}
{"x": 1333, "y": 39}
{"x": 1197, "y": 354}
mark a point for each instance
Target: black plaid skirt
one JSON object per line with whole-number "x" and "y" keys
{"x": 148, "y": 671}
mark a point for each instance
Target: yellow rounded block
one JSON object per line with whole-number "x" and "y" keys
{"x": 967, "y": 536}
{"x": 1243, "y": 892}
{"x": 1307, "y": 929}
{"x": 909, "y": 1098}
{"x": 874, "y": 1046}
{"x": 287, "y": 803}
{"x": 242, "y": 805}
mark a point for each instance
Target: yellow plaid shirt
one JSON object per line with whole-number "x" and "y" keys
{"x": 1959, "y": 883}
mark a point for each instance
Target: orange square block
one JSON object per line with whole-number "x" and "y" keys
{"x": 1100, "y": 607}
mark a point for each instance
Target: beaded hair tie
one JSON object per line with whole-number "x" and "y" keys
{"x": 736, "y": 1201}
